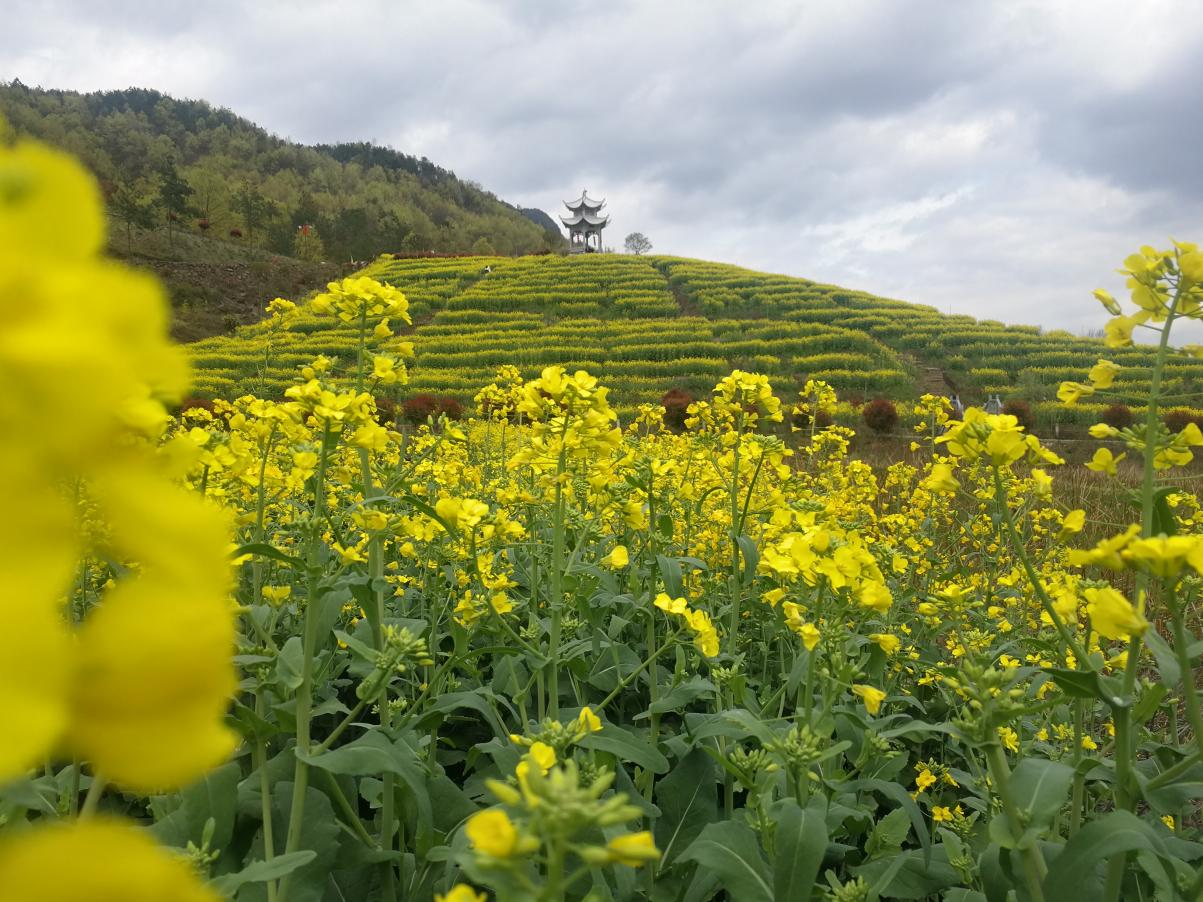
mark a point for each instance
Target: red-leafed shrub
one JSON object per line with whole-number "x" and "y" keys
{"x": 1118, "y": 416}
{"x": 676, "y": 403}
{"x": 195, "y": 404}
{"x": 880, "y": 415}
{"x": 1178, "y": 419}
{"x": 822, "y": 420}
{"x": 1022, "y": 411}
{"x": 420, "y": 408}
{"x": 450, "y": 407}
{"x": 386, "y": 411}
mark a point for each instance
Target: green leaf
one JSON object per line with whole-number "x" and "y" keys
{"x": 215, "y": 795}
{"x": 626, "y": 746}
{"x": 897, "y": 793}
{"x": 664, "y": 524}
{"x": 362, "y": 649}
{"x": 1164, "y": 523}
{"x": 687, "y": 802}
{"x": 734, "y": 723}
{"x": 319, "y": 833}
{"x": 289, "y": 663}
{"x": 909, "y": 875}
{"x": 800, "y": 844}
{"x": 916, "y": 726}
{"x": 37, "y": 795}
{"x": 1149, "y": 702}
{"x": 960, "y": 894}
{"x": 1039, "y": 788}
{"x": 475, "y": 700}
{"x": 1077, "y": 683}
{"x": 1167, "y": 661}
{"x": 888, "y": 834}
{"x": 262, "y": 549}
{"x": 670, "y": 572}
{"x": 1119, "y": 831}
{"x": 1170, "y": 797}
{"x": 369, "y": 755}
{"x": 262, "y": 871}
{"x": 751, "y": 558}
{"x": 731, "y": 851}
{"x": 680, "y": 696}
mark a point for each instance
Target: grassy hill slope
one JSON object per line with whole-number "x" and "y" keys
{"x": 645, "y": 325}
{"x": 362, "y": 199}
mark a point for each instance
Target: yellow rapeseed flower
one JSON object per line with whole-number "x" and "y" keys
{"x": 142, "y": 690}
{"x": 633, "y": 849}
{"x": 887, "y": 642}
{"x": 941, "y": 480}
{"x": 92, "y": 860}
{"x": 871, "y": 696}
{"x": 587, "y": 721}
{"x": 461, "y": 892}
{"x": 1009, "y": 738}
{"x": 493, "y": 833}
{"x": 1112, "y": 615}
{"x": 617, "y": 558}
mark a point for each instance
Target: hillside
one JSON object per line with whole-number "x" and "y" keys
{"x": 200, "y": 168}
{"x": 648, "y": 324}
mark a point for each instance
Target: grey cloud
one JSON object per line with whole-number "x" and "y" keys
{"x": 993, "y": 158}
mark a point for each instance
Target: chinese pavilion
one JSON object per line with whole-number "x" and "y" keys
{"x": 585, "y": 224}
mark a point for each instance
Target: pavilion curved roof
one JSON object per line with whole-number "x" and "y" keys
{"x": 584, "y": 201}
{"x": 585, "y": 219}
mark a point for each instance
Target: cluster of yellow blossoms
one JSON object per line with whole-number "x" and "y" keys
{"x": 705, "y": 636}
{"x": 136, "y": 681}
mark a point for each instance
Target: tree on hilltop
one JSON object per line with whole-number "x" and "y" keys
{"x": 135, "y": 210}
{"x": 174, "y": 194}
{"x": 255, "y": 209}
{"x": 637, "y": 243}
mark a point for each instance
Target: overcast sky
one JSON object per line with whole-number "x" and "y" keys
{"x": 992, "y": 158}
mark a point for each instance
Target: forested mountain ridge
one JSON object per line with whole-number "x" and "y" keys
{"x": 187, "y": 166}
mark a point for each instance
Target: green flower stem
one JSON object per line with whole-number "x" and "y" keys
{"x": 304, "y": 695}
{"x": 553, "y": 889}
{"x": 1189, "y": 693}
{"x": 653, "y": 683}
{"x": 259, "y": 761}
{"x": 260, "y": 536}
{"x": 350, "y": 815}
{"x": 500, "y": 620}
{"x": 1000, "y": 498}
{"x": 325, "y": 744}
{"x": 376, "y": 573}
{"x": 363, "y": 334}
{"x": 1079, "y": 784}
{"x": 1170, "y": 774}
{"x": 670, "y": 642}
{"x": 557, "y": 587}
{"x": 736, "y": 589}
{"x": 1122, "y": 717}
{"x": 1034, "y": 868}
{"x": 95, "y": 791}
